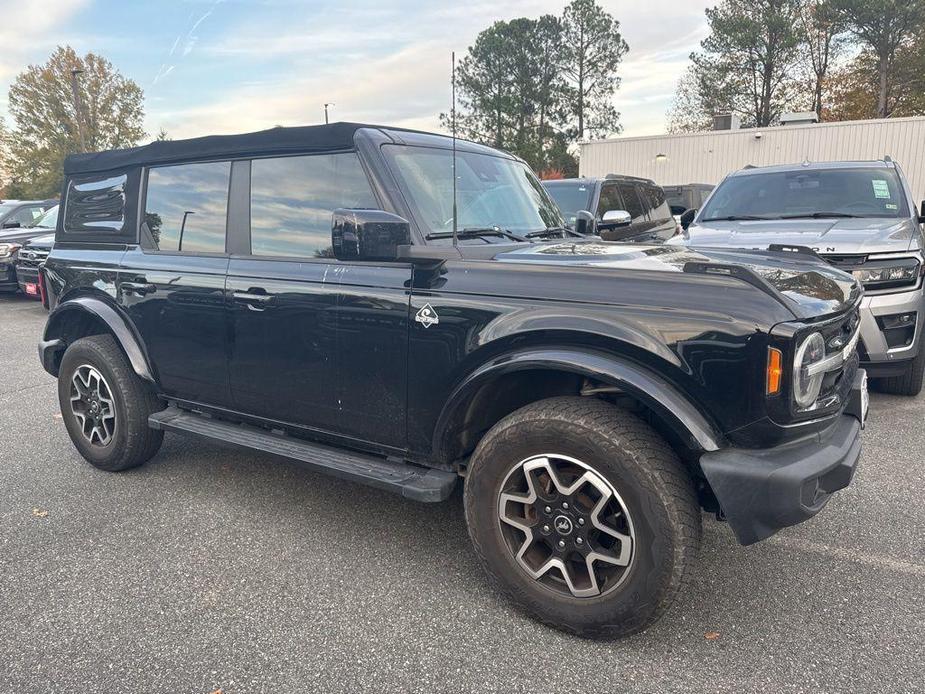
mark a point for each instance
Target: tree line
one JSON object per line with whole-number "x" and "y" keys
{"x": 535, "y": 87}
{"x": 843, "y": 59}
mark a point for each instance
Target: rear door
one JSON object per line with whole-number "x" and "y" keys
{"x": 172, "y": 285}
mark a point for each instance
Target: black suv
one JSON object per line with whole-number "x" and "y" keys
{"x": 310, "y": 292}
{"x": 617, "y": 208}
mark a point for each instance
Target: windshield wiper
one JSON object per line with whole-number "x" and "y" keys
{"x": 475, "y": 232}
{"x": 736, "y": 218}
{"x": 558, "y": 232}
{"x": 818, "y": 215}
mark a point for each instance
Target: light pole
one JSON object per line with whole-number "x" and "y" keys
{"x": 78, "y": 108}
{"x": 326, "y": 112}
{"x": 182, "y": 228}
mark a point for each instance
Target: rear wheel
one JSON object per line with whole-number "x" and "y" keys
{"x": 105, "y": 405}
{"x": 909, "y": 382}
{"x": 583, "y": 515}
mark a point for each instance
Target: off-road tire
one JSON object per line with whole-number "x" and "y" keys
{"x": 909, "y": 382}
{"x": 657, "y": 491}
{"x": 133, "y": 441}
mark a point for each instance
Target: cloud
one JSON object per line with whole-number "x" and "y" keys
{"x": 34, "y": 20}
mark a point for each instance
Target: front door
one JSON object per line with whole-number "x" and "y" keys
{"x": 172, "y": 286}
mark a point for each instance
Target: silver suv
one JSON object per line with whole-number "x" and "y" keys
{"x": 858, "y": 215}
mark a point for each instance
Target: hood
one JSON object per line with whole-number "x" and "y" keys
{"x": 44, "y": 241}
{"x": 809, "y": 287}
{"x": 847, "y": 236}
{"x": 21, "y": 234}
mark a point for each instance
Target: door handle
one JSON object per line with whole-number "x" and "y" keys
{"x": 140, "y": 288}
{"x": 255, "y": 302}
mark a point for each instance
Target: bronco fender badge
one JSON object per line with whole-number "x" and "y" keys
{"x": 427, "y": 316}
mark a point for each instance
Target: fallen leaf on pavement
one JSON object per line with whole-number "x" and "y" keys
{"x": 39, "y": 512}
{"x": 711, "y": 635}
{"x": 57, "y": 415}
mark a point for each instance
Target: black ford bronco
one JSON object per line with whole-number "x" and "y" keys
{"x": 335, "y": 295}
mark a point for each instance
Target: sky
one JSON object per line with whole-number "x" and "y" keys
{"x": 225, "y": 66}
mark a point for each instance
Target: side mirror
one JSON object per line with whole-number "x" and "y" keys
{"x": 616, "y": 218}
{"x": 677, "y": 209}
{"x": 922, "y": 213}
{"x": 11, "y": 225}
{"x": 585, "y": 224}
{"x": 688, "y": 217}
{"x": 368, "y": 234}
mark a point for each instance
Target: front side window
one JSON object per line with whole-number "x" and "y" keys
{"x": 185, "y": 207}
{"x": 631, "y": 199}
{"x": 293, "y": 198}
{"x": 610, "y": 200}
{"x": 860, "y": 192}
{"x": 491, "y": 191}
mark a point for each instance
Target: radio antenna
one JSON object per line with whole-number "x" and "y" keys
{"x": 453, "y": 128}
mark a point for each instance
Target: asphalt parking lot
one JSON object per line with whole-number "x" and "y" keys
{"x": 211, "y": 569}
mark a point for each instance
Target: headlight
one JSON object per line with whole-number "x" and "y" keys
{"x": 806, "y": 387}
{"x": 888, "y": 274}
{"x": 8, "y": 249}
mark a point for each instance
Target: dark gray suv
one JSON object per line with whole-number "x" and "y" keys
{"x": 859, "y": 216}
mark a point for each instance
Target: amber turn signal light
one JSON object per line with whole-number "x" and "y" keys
{"x": 775, "y": 372}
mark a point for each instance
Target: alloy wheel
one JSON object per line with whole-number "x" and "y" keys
{"x": 566, "y": 525}
{"x": 93, "y": 406}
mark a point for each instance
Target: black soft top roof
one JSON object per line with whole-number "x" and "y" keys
{"x": 309, "y": 138}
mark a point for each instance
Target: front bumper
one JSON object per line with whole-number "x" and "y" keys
{"x": 877, "y": 355}
{"x": 761, "y": 491}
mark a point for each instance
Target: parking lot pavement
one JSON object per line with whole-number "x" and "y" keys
{"x": 211, "y": 568}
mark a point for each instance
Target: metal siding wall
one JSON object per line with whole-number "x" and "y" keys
{"x": 708, "y": 157}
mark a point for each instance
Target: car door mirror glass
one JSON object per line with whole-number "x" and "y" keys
{"x": 687, "y": 218}
{"x": 616, "y": 218}
{"x": 368, "y": 234}
{"x": 585, "y": 223}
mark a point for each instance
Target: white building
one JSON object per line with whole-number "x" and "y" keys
{"x": 708, "y": 156}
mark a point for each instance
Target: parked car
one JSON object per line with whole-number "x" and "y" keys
{"x": 618, "y": 208}
{"x": 30, "y": 257}
{"x": 22, "y": 213}
{"x": 861, "y": 218}
{"x": 688, "y": 196}
{"x": 302, "y": 292}
{"x": 13, "y": 238}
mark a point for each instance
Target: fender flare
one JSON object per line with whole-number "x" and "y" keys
{"x": 114, "y": 320}
{"x": 665, "y": 399}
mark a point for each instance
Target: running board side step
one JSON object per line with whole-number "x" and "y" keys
{"x": 411, "y": 481}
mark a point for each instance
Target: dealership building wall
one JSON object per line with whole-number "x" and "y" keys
{"x": 708, "y": 156}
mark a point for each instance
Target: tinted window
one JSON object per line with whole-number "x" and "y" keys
{"x": 293, "y": 198}
{"x": 570, "y": 197}
{"x": 95, "y": 203}
{"x": 631, "y": 200}
{"x": 185, "y": 207}
{"x": 864, "y": 192}
{"x": 610, "y": 200}
{"x": 655, "y": 197}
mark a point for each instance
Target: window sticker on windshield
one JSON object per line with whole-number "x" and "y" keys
{"x": 891, "y": 206}
{"x": 881, "y": 189}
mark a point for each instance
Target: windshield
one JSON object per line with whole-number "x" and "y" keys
{"x": 861, "y": 192}
{"x": 491, "y": 191}
{"x": 571, "y": 197}
{"x": 49, "y": 220}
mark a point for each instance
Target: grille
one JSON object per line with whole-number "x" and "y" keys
{"x": 31, "y": 257}
{"x": 846, "y": 260}
{"x": 837, "y": 336}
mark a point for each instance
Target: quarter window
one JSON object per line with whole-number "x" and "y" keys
{"x": 293, "y": 198}
{"x": 185, "y": 207}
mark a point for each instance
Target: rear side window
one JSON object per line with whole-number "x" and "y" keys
{"x": 185, "y": 207}
{"x": 293, "y": 198}
{"x": 655, "y": 197}
{"x": 95, "y": 204}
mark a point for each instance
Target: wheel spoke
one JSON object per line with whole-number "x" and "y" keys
{"x": 93, "y": 406}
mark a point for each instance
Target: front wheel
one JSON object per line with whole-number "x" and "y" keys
{"x": 583, "y": 516}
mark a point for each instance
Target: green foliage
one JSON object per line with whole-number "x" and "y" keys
{"x": 536, "y": 86}
{"x": 48, "y": 122}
